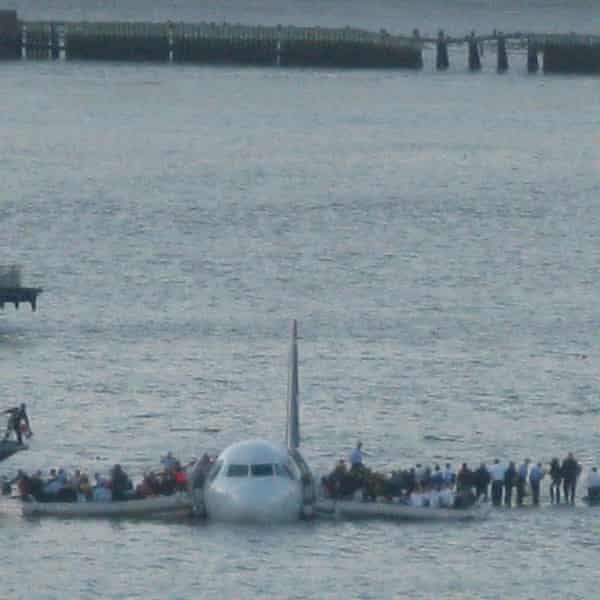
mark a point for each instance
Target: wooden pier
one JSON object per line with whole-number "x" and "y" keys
{"x": 212, "y": 43}
{"x": 562, "y": 53}
{"x": 11, "y": 290}
{"x": 19, "y": 295}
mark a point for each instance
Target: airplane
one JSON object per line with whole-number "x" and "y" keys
{"x": 260, "y": 480}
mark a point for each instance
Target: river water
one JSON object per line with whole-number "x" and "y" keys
{"x": 436, "y": 236}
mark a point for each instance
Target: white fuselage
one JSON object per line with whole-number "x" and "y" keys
{"x": 254, "y": 481}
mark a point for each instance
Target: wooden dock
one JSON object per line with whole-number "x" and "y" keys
{"x": 11, "y": 290}
{"x": 213, "y": 44}
{"x": 18, "y": 295}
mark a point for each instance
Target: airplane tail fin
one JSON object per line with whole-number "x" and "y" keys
{"x": 292, "y": 434}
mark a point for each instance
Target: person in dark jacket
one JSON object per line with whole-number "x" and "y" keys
{"x": 555, "y": 479}
{"x": 522, "y": 476}
{"x": 464, "y": 479}
{"x": 570, "y": 471}
{"x": 510, "y": 480}
{"x": 482, "y": 479}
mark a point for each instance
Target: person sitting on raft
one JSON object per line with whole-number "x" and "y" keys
{"x": 120, "y": 484}
{"x": 167, "y": 483}
{"x": 149, "y": 486}
{"x": 101, "y": 491}
{"x": 447, "y": 496}
{"x": 181, "y": 478}
{"x": 334, "y": 482}
{"x": 416, "y": 499}
{"x": 23, "y": 484}
{"x": 84, "y": 489}
{"x": 168, "y": 461}
{"x": 464, "y": 498}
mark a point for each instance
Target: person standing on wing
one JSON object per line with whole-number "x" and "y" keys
{"x": 357, "y": 457}
{"x": 18, "y": 422}
{"x": 536, "y": 474}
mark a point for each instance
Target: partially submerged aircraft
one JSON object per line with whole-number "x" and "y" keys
{"x": 261, "y": 480}
{"x": 10, "y": 447}
{"x": 255, "y": 481}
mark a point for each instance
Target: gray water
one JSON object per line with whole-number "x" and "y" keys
{"x": 436, "y": 236}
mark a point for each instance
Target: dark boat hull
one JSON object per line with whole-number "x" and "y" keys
{"x": 10, "y": 447}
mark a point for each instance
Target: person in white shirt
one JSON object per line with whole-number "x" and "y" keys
{"x": 497, "y": 472}
{"x": 420, "y": 473}
{"x": 101, "y": 494}
{"x": 434, "y": 498}
{"x": 446, "y": 497}
{"x": 449, "y": 475}
{"x": 416, "y": 499}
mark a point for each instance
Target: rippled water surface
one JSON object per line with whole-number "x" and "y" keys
{"x": 437, "y": 237}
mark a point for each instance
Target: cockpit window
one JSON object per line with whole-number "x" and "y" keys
{"x": 283, "y": 471}
{"x": 261, "y": 470}
{"x": 237, "y": 471}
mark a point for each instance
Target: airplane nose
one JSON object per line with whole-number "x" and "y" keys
{"x": 258, "y": 503}
{"x": 266, "y": 508}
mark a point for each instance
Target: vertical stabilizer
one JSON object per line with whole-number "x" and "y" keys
{"x": 292, "y": 434}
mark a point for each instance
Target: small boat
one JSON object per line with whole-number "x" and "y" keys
{"x": 177, "y": 505}
{"x": 354, "y": 509}
{"x": 10, "y": 447}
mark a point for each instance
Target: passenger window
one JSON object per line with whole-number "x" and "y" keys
{"x": 283, "y": 471}
{"x": 237, "y": 471}
{"x": 261, "y": 470}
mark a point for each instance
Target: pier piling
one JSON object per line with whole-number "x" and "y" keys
{"x": 502, "y": 55}
{"x": 10, "y": 35}
{"x": 474, "y": 59}
{"x": 441, "y": 55}
{"x": 533, "y": 64}
{"x": 54, "y": 42}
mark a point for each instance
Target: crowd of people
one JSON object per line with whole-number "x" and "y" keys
{"x": 61, "y": 486}
{"x": 436, "y": 486}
